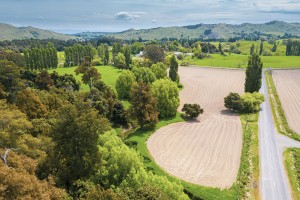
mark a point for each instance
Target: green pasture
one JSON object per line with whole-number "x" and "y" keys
{"x": 241, "y": 61}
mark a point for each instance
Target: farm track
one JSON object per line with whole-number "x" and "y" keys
{"x": 205, "y": 151}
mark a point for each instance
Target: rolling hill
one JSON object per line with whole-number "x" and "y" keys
{"x": 213, "y": 31}
{"x": 9, "y": 32}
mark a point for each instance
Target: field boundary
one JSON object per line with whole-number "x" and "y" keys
{"x": 291, "y": 158}
{"x": 277, "y": 110}
{"x": 246, "y": 184}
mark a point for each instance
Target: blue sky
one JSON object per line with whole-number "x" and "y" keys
{"x": 71, "y": 16}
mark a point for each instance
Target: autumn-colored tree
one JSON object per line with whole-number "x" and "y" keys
{"x": 30, "y": 104}
{"x": 18, "y": 181}
{"x": 44, "y": 81}
{"x": 144, "y": 105}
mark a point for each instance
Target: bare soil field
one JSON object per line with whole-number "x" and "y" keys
{"x": 205, "y": 151}
{"x": 287, "y": 83}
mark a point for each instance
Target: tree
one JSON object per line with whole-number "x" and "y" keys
{"x": 18, "y": 181}
{"x": 119, "y": 61}
{"x": 30, "y": 104}
{"x": 233, "y": 102}
{"x": 192, "y": 110}
{"x": 103, "y": 52}
{"x": 159, "y": 69}
{"x": 221, "y": 49}
{"x": 9, "y": 75}
{"x": 127, "y": 54}
{"x": 166, "y": 93}
{"x": 154, "y": 53}
{"x": 90, "y": 74}
{"x": 143, "y": 105}
{"x": 251, "y": 102}
{"x": 261, "y": 48}
{"x": 252, "y": 49}
{"x": 124, "y": 83}
{"x": 253, "y": 74}
{"x": 75, "y": 154}
{"x": 143, "y": 74}
{"x": 119, "y": 115}
{"x": 274, "y": 48}
{"x": 173, "y": 73}
{"x": 44, "y": 80}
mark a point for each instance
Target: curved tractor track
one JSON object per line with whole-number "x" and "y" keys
{"x": 205, "y": 151}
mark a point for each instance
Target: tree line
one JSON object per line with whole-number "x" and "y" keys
{"x": 293, "y": 48}
{"x": 40, "y": 57}
{"x": 75, "y": 55}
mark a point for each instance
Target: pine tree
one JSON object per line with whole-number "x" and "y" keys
{"x": 173, "y": 73}
{"x": 261, "y": 48}
{"x": 252, "y": 49}
{"x": 253, "y": 74}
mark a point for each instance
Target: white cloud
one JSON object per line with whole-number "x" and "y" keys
{"x": 128, "y": 16}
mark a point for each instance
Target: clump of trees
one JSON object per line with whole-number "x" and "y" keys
{"x": 154, "y": 53}
{"x": 38, "y": 58}
{"x": 192, "y": 110}
{"x": 248, "y": 102}
{"x": 103, "y": 53}
{"x": 166, "y": 93}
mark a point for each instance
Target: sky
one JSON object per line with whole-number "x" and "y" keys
{"x": 72, "y": 16}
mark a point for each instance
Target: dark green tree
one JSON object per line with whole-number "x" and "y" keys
{"x": 173, "y": 73}
{"x": 233, "y": 102}
{"x": 75, "y": 135}
{"x": 253, "y": 74}
{"x": 143, "y": 105}
{"x": 154, "y": 53}
{"x": 274, "y": 48}
{"x": 252, "y": 49}
{"x": 126, "y": 52}
{"x": 261, "y": 48}
{"x": 192, "y": 110}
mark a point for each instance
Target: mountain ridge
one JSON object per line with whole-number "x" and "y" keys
{"x": 10, "y": 32}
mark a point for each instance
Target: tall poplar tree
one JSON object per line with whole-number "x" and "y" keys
{"x": 253, "y": 74}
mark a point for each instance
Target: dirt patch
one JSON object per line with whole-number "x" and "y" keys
{"x": 205, "y": 152}
{"x": 287, "y": 83}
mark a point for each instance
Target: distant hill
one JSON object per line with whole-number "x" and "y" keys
{"x": 9, "y": 32}
{"x": 214, "y": 31}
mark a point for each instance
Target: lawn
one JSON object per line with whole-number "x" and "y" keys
{"x": 241, "y": 61}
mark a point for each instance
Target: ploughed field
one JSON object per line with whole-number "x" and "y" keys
{"x": 205, "y": 151}
{"x": 287, "y": 83}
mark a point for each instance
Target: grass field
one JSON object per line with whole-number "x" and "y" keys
{"x": 244, "y": 46}
{"x": 241, "y": 61}
{"x": 246, "y": 185}
{"x": 109, "y": 74}
{"x": 292, "y": 162}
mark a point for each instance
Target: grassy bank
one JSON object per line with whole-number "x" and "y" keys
{"x": 277, "y": 110}
{"x": 247, "y": 178}
{"x": 292, "y": 163}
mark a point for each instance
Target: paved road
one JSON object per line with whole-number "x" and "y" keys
{"x": 273, "y": 180}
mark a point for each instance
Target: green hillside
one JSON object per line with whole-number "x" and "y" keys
{"x": 213, "y": 31}
{"x": 9, "y": 32}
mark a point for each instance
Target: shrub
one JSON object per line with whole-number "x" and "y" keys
{"x": 192, "y": 110}
{"x": 233, "y": 102}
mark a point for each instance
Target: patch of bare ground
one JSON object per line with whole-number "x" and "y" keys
{"x": 287, "y": 83}
{"x": 206, "y": 151}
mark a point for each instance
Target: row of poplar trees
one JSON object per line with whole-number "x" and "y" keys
{"x": 39, "y": 58}
{"x": 293, "y": 48}
{"x": 75, "y": 55}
